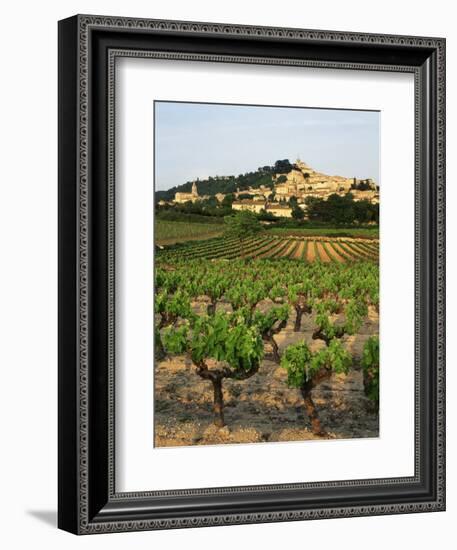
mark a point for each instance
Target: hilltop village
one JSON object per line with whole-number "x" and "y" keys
{"x": 299, "y": 183}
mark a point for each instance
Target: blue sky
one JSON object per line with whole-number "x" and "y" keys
{"x": 200, "y": 140}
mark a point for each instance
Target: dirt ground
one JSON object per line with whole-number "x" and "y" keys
{"x": 262, "y": 408}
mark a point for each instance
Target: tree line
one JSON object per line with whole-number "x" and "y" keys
{"x": 335, "y": 210}
{"x": 341, "y": 209}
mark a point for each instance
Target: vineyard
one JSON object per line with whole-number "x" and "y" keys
{"x": 280, "y": 343}
{"x": 170, "y": 232}
{"x": 358, "y": 232}
{"x": 308, "y": 250}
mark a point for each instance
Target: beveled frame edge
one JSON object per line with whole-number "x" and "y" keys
{"x": 78, "y": 31}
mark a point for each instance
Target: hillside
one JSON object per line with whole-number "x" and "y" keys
{"x": 229, "y": 184}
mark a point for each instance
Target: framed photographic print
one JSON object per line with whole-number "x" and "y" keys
{"x": 251, "y": 274}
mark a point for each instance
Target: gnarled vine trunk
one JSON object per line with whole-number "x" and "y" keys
{"x": 270, "y": 337}
{"x": 300, "y": 310}
{"x": 218, "y": 405}
{"x": 167, "y": 319}
{"x": 211, "y": 308}
{"x": 312, "y": 413}
{"x": 216, "y": 377}
{"x": 275, "y": 350}
{"x": 310, "y": 407}
{"x": 159, "y": 351}
{"x": 319, "y": 334}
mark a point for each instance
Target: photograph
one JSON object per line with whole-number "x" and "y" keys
{"x": 266, "y": 273}
{"x": 251, "y": 272}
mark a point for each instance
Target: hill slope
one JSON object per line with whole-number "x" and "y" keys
{"x": 229, "y": 184}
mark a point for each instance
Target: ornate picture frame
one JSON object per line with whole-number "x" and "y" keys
{"x": 88, "y": 48}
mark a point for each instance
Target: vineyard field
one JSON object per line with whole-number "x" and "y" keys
{"x": 310, "y": 249}
{"x": 352, "y": 232}
{"x": 266, "y": 282}
{"x": 277, "y": 346}
{"x": 171, "y": 232}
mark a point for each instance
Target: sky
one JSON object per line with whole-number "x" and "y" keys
{"x": 197, "y": 140}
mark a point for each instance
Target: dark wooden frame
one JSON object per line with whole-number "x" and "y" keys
{"x": 88, "y": 502}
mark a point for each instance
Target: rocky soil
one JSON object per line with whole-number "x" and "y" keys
{"x": 262, "y": 408}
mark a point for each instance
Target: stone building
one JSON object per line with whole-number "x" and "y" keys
{"x": 186, "y": 197}
{"x": 369, "y": 195}
{"x": 249, "y": 204}
{"x": 279, "y": 210}
{"x": 304, "y": 181}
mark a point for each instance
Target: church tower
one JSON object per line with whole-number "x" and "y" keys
{"x": 194, "y": 190}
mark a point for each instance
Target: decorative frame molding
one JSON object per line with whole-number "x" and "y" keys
{"x": 88, "y": 502}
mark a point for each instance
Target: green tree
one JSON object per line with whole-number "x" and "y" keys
{"x": 293, "y": 201}
{"x": 374, "y": 213}
{"x": 283, "y": 166}
{"x": 243, "y": 225}
{"x": 211, "y": 201}
{"x": 263, "y": 215}
{"x": 299, "y": 297}
{"x": 370, "y": 365}
{"x": 271, "y": 323}
{"x": 297, "y": 213}
{"x": 170, "y": 307}
{"x": 227, "y": 201}
{"x": 355, "y": 310}
{"x": 305, "y": 370}
{"x": 336, "y": 209}
{"x": 362, "y": 211}
{"x": 236, "y": 348}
